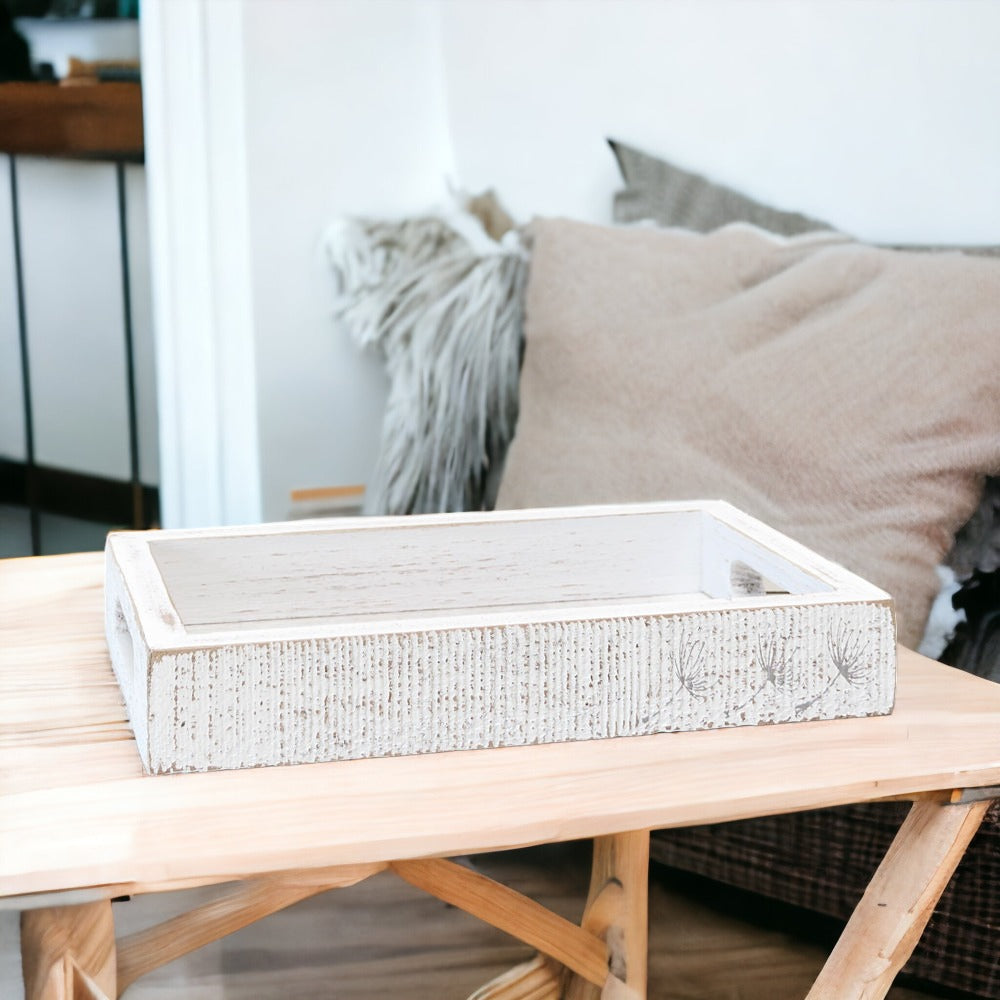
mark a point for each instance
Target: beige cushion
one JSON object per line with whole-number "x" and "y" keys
{"x": 847, "y": 395}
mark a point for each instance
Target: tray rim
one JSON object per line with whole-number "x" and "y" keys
{"x": 129, "y": 558}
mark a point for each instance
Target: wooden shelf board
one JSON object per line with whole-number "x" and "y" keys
{"x": 101, "y": 121}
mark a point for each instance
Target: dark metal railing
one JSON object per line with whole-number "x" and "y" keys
{"x": 140, "y": 505}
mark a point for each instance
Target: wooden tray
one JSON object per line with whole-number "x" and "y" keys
{"x": 327, "y": 640}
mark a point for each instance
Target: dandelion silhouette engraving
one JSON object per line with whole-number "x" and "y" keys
{"x": 850, "y": 657}
{"x": 687, "y": 664}
{"x": 772, "y": 660}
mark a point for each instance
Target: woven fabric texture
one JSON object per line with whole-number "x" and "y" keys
{"x": 773, "y": 373}
{"x": 823, "y": 860}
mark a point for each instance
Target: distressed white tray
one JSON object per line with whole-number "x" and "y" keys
{"x": 325, "y": 640}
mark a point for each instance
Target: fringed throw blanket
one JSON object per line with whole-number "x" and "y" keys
{"x": 441, "y": 300}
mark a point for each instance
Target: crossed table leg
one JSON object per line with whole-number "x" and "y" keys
{"x": 70, "y": 952}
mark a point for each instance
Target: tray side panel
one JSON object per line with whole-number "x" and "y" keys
{"x": 128, "y": 650}
{"x": 471, "y": 688}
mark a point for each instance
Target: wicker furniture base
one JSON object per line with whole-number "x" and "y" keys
{"x": 822, "y": 860}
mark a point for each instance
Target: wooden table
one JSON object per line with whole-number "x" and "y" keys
{"x": 80, "y": 823}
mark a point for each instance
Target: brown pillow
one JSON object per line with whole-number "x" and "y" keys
{"x": 845, "y": 394}
{"x": 660, "y": 191}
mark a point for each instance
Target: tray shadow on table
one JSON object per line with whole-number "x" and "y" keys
{"x": 384, "y": 938}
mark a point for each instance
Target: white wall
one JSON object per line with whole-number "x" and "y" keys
{"x": 137, "y": 229}
{"x": 344, "y": 114}
{"x": 69, "y": 223}
{"x": 74, "y": 315}
{"x": 12, "y": 440}
{"x": 879, "y": 117}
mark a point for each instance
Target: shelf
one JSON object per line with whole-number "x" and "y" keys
{"x": 98, "y": 122}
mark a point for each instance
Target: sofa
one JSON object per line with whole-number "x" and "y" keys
{"x": 822, "y": 860}
{"x": 842, "y": 392}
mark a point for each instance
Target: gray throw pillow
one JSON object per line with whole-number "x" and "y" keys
{"x": 660, "y": 191}
{"x": 664, "y": 193}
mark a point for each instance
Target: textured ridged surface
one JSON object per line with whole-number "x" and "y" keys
{"x": 470, "y": 688}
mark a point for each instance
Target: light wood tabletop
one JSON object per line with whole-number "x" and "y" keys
{"x": 79, "y": 817}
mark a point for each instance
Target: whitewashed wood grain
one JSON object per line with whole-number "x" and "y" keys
{"x": 337, "y": 640}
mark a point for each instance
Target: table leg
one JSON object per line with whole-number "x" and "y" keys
{"x": 617, "y": 911}
{"x": 68, "y": 952}
{"x": 240, "y": 906}
{"x": 898, "y": 902}
{"x": 500, "y": 906}
{"x": 538, "y": 979}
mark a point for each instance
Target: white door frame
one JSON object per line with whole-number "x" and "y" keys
{"x": 194, "y": 121}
